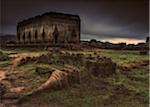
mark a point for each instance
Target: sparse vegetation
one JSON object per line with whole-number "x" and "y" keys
{"x": 3, "y": 56}
{"x": 117, "y": 90}
{"x": 132, "y": 83}
{"x": 4, "y": 59}
{"x": 120, "y": 57}
{"x": 124, "y": 89}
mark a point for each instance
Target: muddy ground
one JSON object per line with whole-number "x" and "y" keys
{"x": 129, "y": 86}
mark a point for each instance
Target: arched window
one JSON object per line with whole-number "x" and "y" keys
{"x": 43, "y": 35}
{"x": 23, "y": 37}
{"x": 36, "y": 35}
{"x": 18, "y": 37}
{"x": 55, "y": 34}
{"x": 29, "y": 37}
{"x": 73, "y": 33}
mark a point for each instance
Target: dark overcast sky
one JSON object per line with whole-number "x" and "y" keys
{"x": 100, "y": 18}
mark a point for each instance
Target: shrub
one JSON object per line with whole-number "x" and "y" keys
{"x": 3, "y": 56}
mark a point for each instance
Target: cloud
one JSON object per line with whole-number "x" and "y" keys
{"x": 122, "y": 40}
{"x": 99, "y": 18}
{"x": 103, "y": 29}
{"x": 88, "y": 37}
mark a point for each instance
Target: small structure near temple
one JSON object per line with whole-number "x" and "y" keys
{"x": 49, "y": 28}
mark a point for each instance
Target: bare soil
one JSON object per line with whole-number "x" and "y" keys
{"x": 16, "y": 84}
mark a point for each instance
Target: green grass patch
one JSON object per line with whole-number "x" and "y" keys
{"x": 3, "y": 56}
{"x": 136, "y": 80}
{"x": 94, "y": 91}
{"x": 118, "y": 56}
{"x": 34, "y": 52}
{"x": 121, "y": 57}
{"x": 4, "y": 63}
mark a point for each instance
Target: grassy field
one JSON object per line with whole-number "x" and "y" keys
{"x": 116, "y": 91}
{"x": 123, "y": 89}
{"x": 120, "y": 90}
{"x": 120, "y": 57}
{"x": 6, "y": 54}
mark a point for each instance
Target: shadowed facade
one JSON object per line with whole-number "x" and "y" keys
{"x": 53, "y": 28}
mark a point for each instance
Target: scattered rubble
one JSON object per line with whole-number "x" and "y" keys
{"x": 58, "y": 79}
{"x": 2, "y": 90}
{"x": 67, "y": 75}
{"x": 97, "y": 66}
{"x": 61, "y": 78}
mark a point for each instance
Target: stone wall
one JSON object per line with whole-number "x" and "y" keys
{"x": 49, "y": 28}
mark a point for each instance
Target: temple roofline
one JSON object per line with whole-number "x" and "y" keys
{"x": 51, "y": 14}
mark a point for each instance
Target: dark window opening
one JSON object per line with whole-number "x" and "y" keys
{"x": 18, "y": 37}
{"x": 43, "y": 35}
{"x": 73, "y": 33}
{"x": 55, "y": 35}
{"x": 23, "y": 37}
{"x": 29, "y": 37}
{"x": 36, "y": 35}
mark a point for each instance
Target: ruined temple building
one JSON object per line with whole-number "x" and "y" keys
{"x": 49, "y": 28}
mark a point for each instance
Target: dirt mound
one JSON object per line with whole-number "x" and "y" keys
{"x": 70, "y": 72}
{"x": 103, "y": 67}
{"x": 2, "y": 90}
{"x": 61, "y": 78}
{"x": 39, "y": 59}
{"x": 97, "y": 66}
{"x": 2, "y": 74}
{"x": 25, "y": 60}
{"x": 57, "y": 80}
{"x": 43, "y": 70}
{"x": 135, "y": 64}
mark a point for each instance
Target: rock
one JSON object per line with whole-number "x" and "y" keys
{"x": 103, "y": 67}
{"x": 17, "y": 89}
{"x": 11, "y": 78}
{"x": 62, "y": 52}
{"x": 44, "y": 59}
{"x": 11, "y": 95}
{"x": 56, "y": 50}
{"x": 2, "y": 90}
{"x": 24, "y": 61}
{"x": 73, "y": 73}
{"x": 41, "y": 70}
{"x": 7, "y": 84}
{"x": 97, "y": 66}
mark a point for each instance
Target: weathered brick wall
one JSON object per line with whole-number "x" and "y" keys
{"x": 41, "y": 29}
